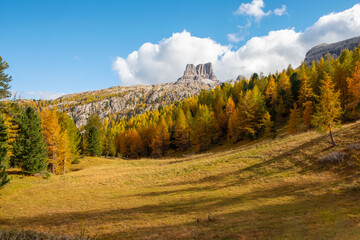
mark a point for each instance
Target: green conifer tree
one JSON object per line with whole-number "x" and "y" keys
{"x": 29, "y": 148}
{"x": 3, "y": 150}
{"x": 5, "y": 79}
{"x": 93, "y": 142}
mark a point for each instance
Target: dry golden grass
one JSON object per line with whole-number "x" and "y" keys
{"x": 266, "y": 189}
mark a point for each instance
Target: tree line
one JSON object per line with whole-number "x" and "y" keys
{"x": 320, "y": 95}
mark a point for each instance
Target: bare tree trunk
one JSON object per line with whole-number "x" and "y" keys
{"x": 53, "y": 163}
{"x": 64, "y": 166}
{"x": 332, "y": 139}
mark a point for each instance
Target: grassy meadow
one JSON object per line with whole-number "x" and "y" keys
{"x": 265, "y": 189}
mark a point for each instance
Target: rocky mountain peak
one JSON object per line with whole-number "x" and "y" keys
{"x": 200, "y": 72}
{"x": 335, "y": 49}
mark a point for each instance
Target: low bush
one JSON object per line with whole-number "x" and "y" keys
{"x": 31, "y": 235}
{"x": 76, "y": 161}
{"x": 334, "y": 157}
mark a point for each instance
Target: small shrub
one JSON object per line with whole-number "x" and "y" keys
{"x": 46, "y": 175}
{"x": 334, "y": 158}
{"x": 354, "y": 146}
{"x": 76, "y": 161}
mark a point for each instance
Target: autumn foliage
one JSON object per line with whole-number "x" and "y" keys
{"x": 322, "y": 95}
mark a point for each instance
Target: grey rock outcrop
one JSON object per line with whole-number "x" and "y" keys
{"x": 201, "y": 71}
{"x": 127, "y": 101}
{"x": 335, "y": 49}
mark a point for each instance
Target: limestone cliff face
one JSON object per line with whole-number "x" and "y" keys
{"x": 200, "y": 72}
{"x": 127, "y": 101}
{"x": 335, "y": 49}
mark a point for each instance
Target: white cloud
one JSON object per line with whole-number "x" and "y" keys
{"x": 246, "y": 26}
{"x": 280, "y": 11}
{"x": 240, "y": 36}
{"x": 166, "y": 61}
{"x": 234, "y": 37}
{"x": 43, "y": 95}
{"x": 334, "y": 27}
{"x": 253, "y": 9}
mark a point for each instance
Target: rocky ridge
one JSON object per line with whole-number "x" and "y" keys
{"x": 335, "y": 49}
{"x": 127, "y": 101}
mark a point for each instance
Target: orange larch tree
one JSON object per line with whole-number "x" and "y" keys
{"x": 353, "y": 89}
{"x": 328, "y": 110}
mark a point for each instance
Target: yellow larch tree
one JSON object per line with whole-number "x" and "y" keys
{"x": 328, "y": 110}
{"x": 307, "y": 113}
{"x": 294, "y": 120}
{"x": 271, "y": 91}
{"x": 306, "y": 92}
{"x": 52, "y": 133}
{"x": 353, "y": 89}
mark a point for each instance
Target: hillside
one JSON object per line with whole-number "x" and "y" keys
{"x": 132, "y": 100}
{"x": 265, "y": 189}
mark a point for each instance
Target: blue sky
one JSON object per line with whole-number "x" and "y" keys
{"x": 56, "y": 47}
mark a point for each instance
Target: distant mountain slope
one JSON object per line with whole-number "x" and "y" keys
{"x": 137, "y": 99}
{"x": 335, "y": 49}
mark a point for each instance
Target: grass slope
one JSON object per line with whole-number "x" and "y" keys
{"x": 266, "y": 189}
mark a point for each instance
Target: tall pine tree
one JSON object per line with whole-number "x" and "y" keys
{"x": 29, "y": 148}
{"x": 93, "y": 142}
{"x": 5, "y": 79}
{"x": 3, "y": 150}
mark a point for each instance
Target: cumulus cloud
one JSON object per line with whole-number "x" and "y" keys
{"x": 334, "y": 27}
{"x": 280, "y": 11}
{"x": 163, "y": 62}
{"x": 253, "y": 9}
{"x": 43, "y": 95}
{"x": 166, "y": 61}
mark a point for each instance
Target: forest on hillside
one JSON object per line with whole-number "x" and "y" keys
{"x": 321, "y": 95}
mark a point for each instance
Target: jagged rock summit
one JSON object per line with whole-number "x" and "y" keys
{"x": 202, "y": 73}
{"x": 335, "y": 49}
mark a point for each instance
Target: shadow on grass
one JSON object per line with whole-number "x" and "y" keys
{"x": 283, "y": 211}
{"x": 259, "y": 169}
{"x": 14, "y": 171}
{"x": 302, "y": 216}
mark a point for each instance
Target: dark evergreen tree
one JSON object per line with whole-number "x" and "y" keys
{"x": 252, "y": 82}
{"x": 29, "y": 148}
{"x": 93, "y": 142}
{"x": 295, "y": 85}
{"x": 4, "y": 93}
{"x": 5, "y": 79}
{"x": 3, "y": 150}
{"x": 93, "y": 121}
